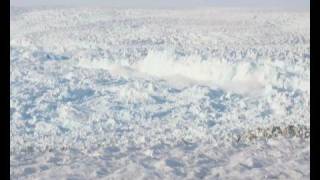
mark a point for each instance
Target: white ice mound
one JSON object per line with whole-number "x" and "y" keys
{"x": 241, "y": 77}
{"x": 250, "y": 77}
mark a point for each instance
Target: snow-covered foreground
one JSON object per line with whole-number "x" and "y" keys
{"x": 210, "y": 93}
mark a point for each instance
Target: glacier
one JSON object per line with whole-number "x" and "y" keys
{"x": 195, "y": 93}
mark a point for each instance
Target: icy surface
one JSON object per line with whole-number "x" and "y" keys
{"x": 216, "y": 93}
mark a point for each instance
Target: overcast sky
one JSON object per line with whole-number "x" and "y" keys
{"x": 167, "y": 3}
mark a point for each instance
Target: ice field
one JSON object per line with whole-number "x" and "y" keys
{"x": 203, "y": 93}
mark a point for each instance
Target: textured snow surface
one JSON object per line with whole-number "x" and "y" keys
{"x": 211, "y": 93}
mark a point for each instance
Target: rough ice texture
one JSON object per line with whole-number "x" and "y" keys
{"x": 211, "y": 93}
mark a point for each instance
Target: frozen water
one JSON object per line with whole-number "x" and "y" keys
{"x": 210, "y": 93}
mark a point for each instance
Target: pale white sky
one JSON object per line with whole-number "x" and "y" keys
{"x": 168, "y": 3}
